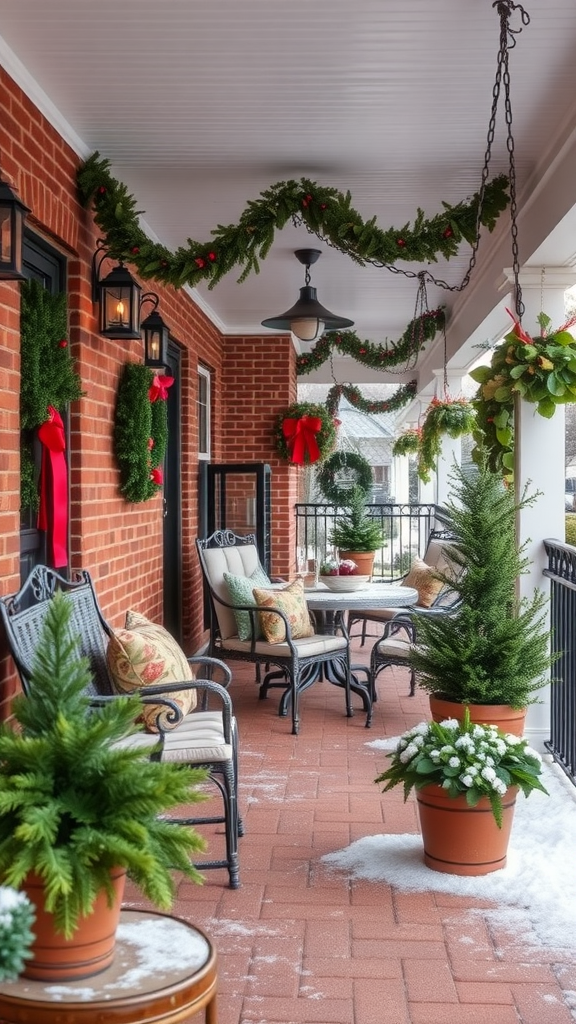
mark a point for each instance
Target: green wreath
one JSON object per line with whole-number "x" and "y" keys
{"x": 338, "y": 494}
{"x": 325, "y": 438}
{"x": 47, "y": 374}
{"x": 140, "y": 434}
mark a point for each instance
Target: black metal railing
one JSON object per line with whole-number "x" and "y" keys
{"x": 406, "y": 529}
{"x": 562, "y": 574}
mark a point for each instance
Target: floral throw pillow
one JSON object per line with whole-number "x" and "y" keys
{"x": 422, "y": 577}
{"x": 241, "y": 590}
{"x": 145, "y": 654}
{"x": 292, "y": 602}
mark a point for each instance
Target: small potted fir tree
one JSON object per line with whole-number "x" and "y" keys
{"x": 356, "y": 534}
{"x": 493, "y": 650}
{"x": 81, "y": 809}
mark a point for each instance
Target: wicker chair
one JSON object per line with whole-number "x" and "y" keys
{"x": 202, "y": 738}
{"x": 299, "y": 661}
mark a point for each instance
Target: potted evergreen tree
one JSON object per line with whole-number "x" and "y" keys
{"x": 493, "y": 650}
{"x": 81, "y": 809}
{"x": 356, "y": 534}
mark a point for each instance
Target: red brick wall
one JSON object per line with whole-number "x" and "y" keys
{"x": 252, "y": 379}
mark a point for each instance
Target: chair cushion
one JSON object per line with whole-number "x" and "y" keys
{"x": 198, "y": 739}
{"x": 145, "y": 654}
{"x": 292, "y": 602}
{"x": 393, "y": 647}
{"x": 241, "y": 592}
{"x": 422, "y": 577}
{"x": 240, "y": 560}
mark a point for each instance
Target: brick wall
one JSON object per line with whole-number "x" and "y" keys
{"x": 252, "y": 380}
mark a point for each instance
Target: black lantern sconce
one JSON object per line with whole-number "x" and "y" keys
{"x": 307, "y": 318}
{"x": 155, "y": 335}
{"x": 119, "y": 297}
{"x": 12, "y": 216}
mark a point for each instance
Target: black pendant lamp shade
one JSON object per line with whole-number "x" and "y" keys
{"x": 307, "y": 318}
{"x": 12, "y": 216}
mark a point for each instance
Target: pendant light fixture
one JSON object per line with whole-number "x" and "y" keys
{"x": 307, "y": 318}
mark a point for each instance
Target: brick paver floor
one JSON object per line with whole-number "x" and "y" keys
{"x": 300, "y": 944}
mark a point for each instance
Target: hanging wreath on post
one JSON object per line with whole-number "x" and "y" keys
{"x": 305, "y": 433}
{"x": 341, "y": 461}
{"x": 141, "y": 431}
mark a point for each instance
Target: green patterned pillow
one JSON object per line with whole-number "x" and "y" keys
{"x": 241, "y": 589}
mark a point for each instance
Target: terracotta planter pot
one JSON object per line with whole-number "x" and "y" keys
{"x": 506, "y": 718}
{"x": 463, "y": 840}
{"x": 91, "y": 948}
{"x": 364, "y": 561}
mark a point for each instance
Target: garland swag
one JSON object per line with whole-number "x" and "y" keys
{"x": 325, "y": 211}
{"x": 140, "y": 433}
{"x": 421, "y": 329}
{"x": 398, "y": 400}
{"x": 48, "y": 377}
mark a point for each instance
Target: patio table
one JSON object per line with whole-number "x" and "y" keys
{"x": 332, "y": 606}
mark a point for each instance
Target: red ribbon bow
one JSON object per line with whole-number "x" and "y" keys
{"x": 159, "y": 388}
{"x": 301, "y": 438}
{"x": 53, "y": 511}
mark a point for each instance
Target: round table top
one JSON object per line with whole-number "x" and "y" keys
{"x": 162, "y": 965}
{"x": 373, "y": 595}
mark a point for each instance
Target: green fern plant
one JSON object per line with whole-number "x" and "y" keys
{"x": 494, "y": 649}
{"x": 72, "y": 804}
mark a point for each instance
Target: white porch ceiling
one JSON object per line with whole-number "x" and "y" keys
{"x": 201, "y": 106}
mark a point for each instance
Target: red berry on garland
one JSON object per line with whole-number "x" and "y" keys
{"x": 447, "y": 233}
{"x": 212, "y": 256}
{"x": 199, "y": 262}
{"x": 362, "y": 351}
{"x": 102, "y": 190}
{"x": 323, "y": 206}
{"x": 135, "y": 249}
{"x": 401, "y": 242}
{"x": 63, "y": 343}
{"x": 163, "y": 263}
{"x": 150, "y": 443}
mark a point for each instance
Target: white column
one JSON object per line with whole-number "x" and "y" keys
{"x": 539, "y": 462}
{"x": 451, "y": 446}
{"x": 401, "y": 482}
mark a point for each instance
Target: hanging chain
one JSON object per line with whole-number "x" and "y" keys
{"x": 507, "y": 42}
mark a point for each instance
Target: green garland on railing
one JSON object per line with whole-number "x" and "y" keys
{"x": 326, "y": 211}
{"x": 47, "y": 374}
{"x": 398, "y": 400}
{"x": 140, "y": 434}
{"x": 378, "y": 357}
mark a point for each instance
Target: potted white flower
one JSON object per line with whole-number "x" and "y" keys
{"x": 466, "y": 777}
{"x": 16, "y": 936}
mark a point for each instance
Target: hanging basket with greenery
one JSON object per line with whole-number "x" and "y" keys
{"x": 539, "y": 370}
{"x": 408, "y": 443}
{"x": 448, "y": 416}
{"x": 355, "y": 469}
{"x": 47, "y": 374}
{"x": 305, "y": 433}
{"x": 141, "y": 431}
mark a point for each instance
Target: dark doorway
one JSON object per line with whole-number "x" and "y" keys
{"x": 173, "y": 501}
{"x": 41, "y": 264}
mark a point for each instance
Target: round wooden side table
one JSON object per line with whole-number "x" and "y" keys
{"x": 164, "y": 970}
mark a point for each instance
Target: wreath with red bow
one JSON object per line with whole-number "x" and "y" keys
{"x": 141, "y": 431}
{"x": 305, "y": 433}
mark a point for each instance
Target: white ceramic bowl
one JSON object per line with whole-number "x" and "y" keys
{"x": 344, "y": 584}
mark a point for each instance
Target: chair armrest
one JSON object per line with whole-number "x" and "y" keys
{"x": 211, "y": 664}
{"x": 150, "y": 695}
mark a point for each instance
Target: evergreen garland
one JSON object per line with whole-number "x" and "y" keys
{"x": 325, "y": 438}
{"x": 398, "y": 400}
{"x": 378, "y": 357}
{"x": 140, "y": 433}
{"x": 47, "y": 371}
{"x": 325, "y": 211}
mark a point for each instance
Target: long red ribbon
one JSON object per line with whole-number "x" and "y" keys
{"x": 301, "y": 438}
{"x": 53, "y": 512}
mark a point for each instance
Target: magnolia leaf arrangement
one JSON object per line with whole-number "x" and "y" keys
{"x": 47, "y": 375}
{"x": 140, "y": 433}
{"x": 540, "y": 370}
